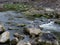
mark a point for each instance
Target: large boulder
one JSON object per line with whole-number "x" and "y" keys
{"x": 22, "y": 42}
{"x": 4, "y": 37}
{"x": 32, "y": 30}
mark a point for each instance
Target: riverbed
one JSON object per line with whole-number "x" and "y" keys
{"x": 10, "y": 19}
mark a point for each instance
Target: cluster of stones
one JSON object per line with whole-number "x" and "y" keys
{"x": 36, "y": 36}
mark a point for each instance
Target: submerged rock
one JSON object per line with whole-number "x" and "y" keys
{"x": 1, "y": 29}
{"x": 12, "y": 28}
{"x": 20, "y": 25}
{"x": 4, "y": 37}
{"x": 18, "y": 36}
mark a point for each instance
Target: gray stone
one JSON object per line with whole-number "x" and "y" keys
{"x": 4, "y": 37}
{"x": 32, "y": 30}
{"x": 23, "y": 43}
{"x": 17, "y": 35}
{"x": 48, "y": 38}
{"x": 2, "y": 29}
{"x": 14, "y": 41}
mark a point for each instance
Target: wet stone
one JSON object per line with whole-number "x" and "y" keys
{"x": 32, "y": 31}
{"x": 14, "y": 41}
{"x": 21, "y": 25}
{"x": 5, "y": 37}
{"x": 19, "y": 36}
{"x": 48, "y": 38}
{"x": 23, "y": 43}
{"x": 2, "y": 29}
{"x": 12, "y": 28}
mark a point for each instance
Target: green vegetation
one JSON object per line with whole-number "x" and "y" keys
{"x": 38, "y": 16}
{"x": 29, "y": 11}
{"x": 16, "y": 7}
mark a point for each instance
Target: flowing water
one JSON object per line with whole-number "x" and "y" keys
{"x": 51, "y": 26}
{"x": 12, "y": 18}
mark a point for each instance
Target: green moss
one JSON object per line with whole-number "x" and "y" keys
{"x": 48, "y": 15}
{"x": 32, "y": 17}
{"x": 16, "y": 7}
{"x": 37, "y": 15}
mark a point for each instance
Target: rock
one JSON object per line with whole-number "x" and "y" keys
{"x": 57, "y": 21}
{"x": 23, "y": 43}
{"x": 2, "y": 29}
{"x": 12, "y": 28}
{"x": 14, "y": 41}
{"x": 31, "y": 11}
{"x": 49, "y": 10}
{"x": 18, "y": 36}
{"x": 33, "y": 30}
{"x": 48, "y": 38}
{"x": 34, "y": 41}
{"x": 4, "y": 37}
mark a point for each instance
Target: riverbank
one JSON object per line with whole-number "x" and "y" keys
{"x": 30, "y": 11}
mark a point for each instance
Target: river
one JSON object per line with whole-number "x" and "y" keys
{"x": 12, "y": 18}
